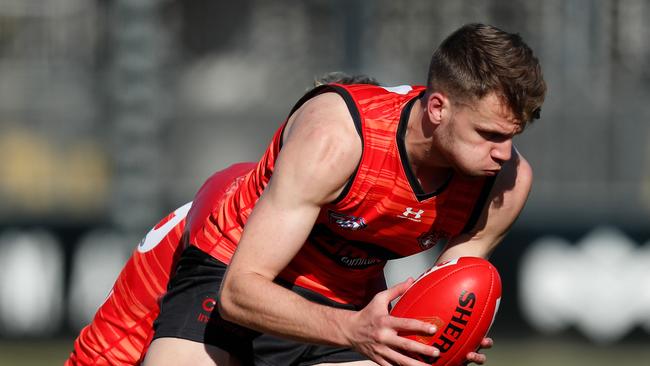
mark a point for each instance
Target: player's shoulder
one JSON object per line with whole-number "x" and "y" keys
{"x": 324, "y": 118}
{"x": 329, "y": 98}
{"x": 522, "y": 170}
{"x": 514, "y": 181}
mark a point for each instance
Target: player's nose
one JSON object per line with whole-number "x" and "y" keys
{"x": 502, "y": 151}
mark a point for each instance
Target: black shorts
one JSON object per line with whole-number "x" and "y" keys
{"x": 189, "y": 311}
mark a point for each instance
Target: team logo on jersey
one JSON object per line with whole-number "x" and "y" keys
{"x": 432, "y": 237}
{"x": 411, "y": 214}
{"x": 347, "y": 222}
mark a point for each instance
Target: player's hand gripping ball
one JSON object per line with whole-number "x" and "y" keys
{"x": 460, "y": 297}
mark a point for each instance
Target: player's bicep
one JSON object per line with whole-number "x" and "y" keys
{"x": 319, "y": 154}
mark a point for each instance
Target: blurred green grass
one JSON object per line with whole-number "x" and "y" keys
{"x": 34, "y": 353}
{"x": 565, "y": 352}
{"x": 507, "y": 352}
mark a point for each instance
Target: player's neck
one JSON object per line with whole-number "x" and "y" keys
{"x": 429, "y": 166}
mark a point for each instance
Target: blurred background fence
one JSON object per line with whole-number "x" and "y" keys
{"x": 112, "y": 113}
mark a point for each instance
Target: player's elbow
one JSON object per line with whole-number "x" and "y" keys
{"x": 229, "y": 307}
{"x": 241, "y": 295}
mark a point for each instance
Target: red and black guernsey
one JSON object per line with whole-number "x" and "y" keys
{"x": 383, "y": 212}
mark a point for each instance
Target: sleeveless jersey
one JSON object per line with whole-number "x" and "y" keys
{"x": 122, "y": 328}
{"x": 383, "y": 213}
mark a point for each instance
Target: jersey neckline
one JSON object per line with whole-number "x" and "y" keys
{"x": 416, "y": 187}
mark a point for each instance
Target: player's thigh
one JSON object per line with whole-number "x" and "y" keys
{"x": 180, "y": 352}
{"x": 354, "y": 363}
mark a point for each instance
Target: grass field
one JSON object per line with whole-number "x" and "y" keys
{"x": 537, "y": 352}
{"x": 544, "y": 352}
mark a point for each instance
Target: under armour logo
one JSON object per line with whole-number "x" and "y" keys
{"x": 409, "y": 211}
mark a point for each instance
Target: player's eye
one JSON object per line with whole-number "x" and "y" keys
{"x": 493, "y": 136}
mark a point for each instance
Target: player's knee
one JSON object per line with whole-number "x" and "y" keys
{"x": 181, "y": 352}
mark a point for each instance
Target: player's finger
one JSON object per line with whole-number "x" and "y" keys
{"x": 476, "y": 357}
{"x": 381, "y": 361}
{"x": 397, "y": 358}
{"x": 397, "y": 290}
{"x": 407, "y": 345}
{"x": 411, "y": 346}
{"x": 411, "y": 325}
{"x": 486, "y": 343}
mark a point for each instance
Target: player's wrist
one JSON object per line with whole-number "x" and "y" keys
{"x": 343, "y": 324}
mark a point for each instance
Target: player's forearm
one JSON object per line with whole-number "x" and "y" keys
{"x": 255, "y": 302}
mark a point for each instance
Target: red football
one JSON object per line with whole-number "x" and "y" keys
{"x": 461, "y": 297}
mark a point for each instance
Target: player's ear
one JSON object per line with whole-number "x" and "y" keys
{"x": 436, "y": 107}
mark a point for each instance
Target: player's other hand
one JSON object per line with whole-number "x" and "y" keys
{"x": 373, "y": 331}
{"x": 477, "y": 357}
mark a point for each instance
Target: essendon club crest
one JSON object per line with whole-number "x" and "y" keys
{"x": 432, "y": 237}
{"x": 347, "y": 222}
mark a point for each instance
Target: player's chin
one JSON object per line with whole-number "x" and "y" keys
{"x": 486, "y": 172}
{"x": 490, "y": 173}
{"x": 478, "y": 172}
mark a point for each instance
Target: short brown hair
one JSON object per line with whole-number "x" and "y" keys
{"x": 478, "y": 59}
